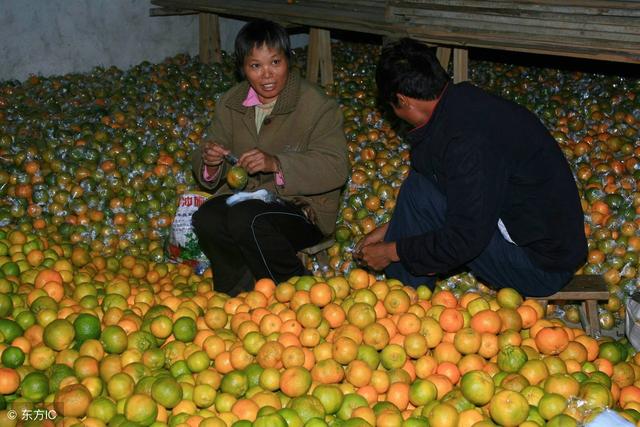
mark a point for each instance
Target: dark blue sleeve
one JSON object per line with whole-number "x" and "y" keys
{"x": 474, "y": 190}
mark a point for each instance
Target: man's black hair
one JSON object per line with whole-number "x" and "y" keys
{"x": 257, "y": 33}
{"x": 410, "y": 68}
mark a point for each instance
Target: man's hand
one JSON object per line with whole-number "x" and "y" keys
{"x": 257, "y": 160}
{"x": 376, "y": 236}
{"x": 379, "y": 255}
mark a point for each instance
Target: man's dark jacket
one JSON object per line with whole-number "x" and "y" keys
{"x": 493, "y": 159}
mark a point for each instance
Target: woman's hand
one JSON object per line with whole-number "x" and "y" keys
{"x": 256, "y": 160}
{"x": 213, "y": 154}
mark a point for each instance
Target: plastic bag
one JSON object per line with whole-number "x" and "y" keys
{"x": 632, "y": 320}
{"x": 182, "y": 243}
{"x": 608, "y": 418}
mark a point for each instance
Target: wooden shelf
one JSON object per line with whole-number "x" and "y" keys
{"x": 594, "y": 29}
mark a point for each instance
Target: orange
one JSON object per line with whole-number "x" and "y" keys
{"x": 509, "y": 298}
{"x": 422, "y": 392}
{"x": 397, "y": 301}
{"x": 344, "y": 350}
{"x": 442, "y": 383}
{"x": 528, "y": 315}
{"x": 551, "y": 340}
{"x": 330, "y": 396}
{"x": 59, "y": 334}
{"x": 432, "y": 331}
{"x": 72, "y": 401}
{"x": 415, "y": 345}
{"x": 398, "y": 394}
{"x": 310, "y": 316}
{"x": 508, "y": 408}
{"x": 245, "y": 409}
{"x": 45, "y": 276}
{"x": 446, "y": 352}
{"x": 444, "y": 298}
{"x": 551, "y": 404}
{"x": 357, "y": 279}
{"x": 467, "y": 341}
{"x": 295, "y": 381}
{"x": 443, "y": 415}
{"x": 114, "y": 339}
{"x": 393, "y": 356}
{"x": 120, "y": 386}
{"x": 358, "y": 373}
{"x": 9, "y": 380}
{"x": 630, "y": 393}
{"x": 477, "y": 387}
{"x": 270, "y": 379}
{"x": 590, "y": 344}
{"x": 321, "y": 294}
{"x": 562, "y": 384}
{"x": 451, "y": 320}
{"x": 327, "y": 371}
{"x": 141, "y": 409}
{"x": 535, "y": 371}
{"x": 266, "y": 286}
{"x": 486, "y": 321}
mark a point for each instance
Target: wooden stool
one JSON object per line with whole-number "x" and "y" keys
{"x": 315, "y": 250}
{"x": 588, "y": 289}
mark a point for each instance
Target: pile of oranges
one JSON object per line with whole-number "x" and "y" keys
{"x": 96, "y": 329}
{"x": 100, "y": 341}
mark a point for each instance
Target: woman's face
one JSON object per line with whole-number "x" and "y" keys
{"x": 266, "y": 70}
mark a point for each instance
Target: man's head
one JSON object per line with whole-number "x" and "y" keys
{"x": 410, "y": 68}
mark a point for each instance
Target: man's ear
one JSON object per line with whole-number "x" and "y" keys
{"x": 403, "y": 100}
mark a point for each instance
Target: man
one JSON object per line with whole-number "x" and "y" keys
{"x": 489, "y": 188}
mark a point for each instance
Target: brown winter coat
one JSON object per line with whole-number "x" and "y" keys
{"x": 304, "y": 130}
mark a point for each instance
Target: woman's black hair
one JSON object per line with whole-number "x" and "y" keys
{"x": 257, "y": 33}
{"x": 410, "y": 68}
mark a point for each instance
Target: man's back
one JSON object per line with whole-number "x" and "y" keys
{"x": 494, "y": 160}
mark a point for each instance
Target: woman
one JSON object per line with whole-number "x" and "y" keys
{"x": 288, "y": 136}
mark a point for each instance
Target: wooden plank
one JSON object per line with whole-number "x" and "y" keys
{"x": 598, "y": 30}
{"x": 499, "y": 41}
{"x": 591, "y": 307}
{"x": 583, "y": 287}
{"x": 209, "y": 38}
{"x": 319, "y": 61}
{"x": 373, "y": 22}
{"x": 627, "y": 31}
{"x": 165, "y": 11}
{"x": 444, "y": 56}
{"x": 460, "y": 65}
{"x": 607, "y": 8}
{"x": 313, "y": 55}
{"x": 326, "y": 61}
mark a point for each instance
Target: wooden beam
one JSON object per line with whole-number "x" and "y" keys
{"x": 313, "y": 53}
{"x": 326, "y": 61}
{"x": 460, "y": 65}
{"x": 444, "y": 56}
{"x": 167, "y": 11}
{"x": 319, "y": 61}
{"x": 210, "y": 50}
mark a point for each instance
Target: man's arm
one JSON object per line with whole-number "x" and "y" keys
{"x": 475, "y": 188}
